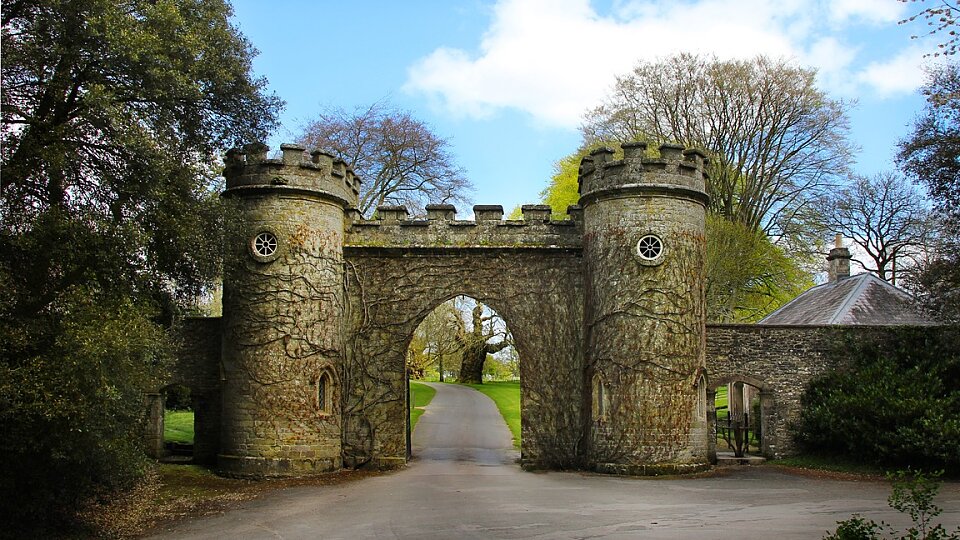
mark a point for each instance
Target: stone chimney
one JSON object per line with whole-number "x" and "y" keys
{"x": 838, "y": 261}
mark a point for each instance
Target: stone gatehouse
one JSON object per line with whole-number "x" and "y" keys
{"x": 305, "y": 371}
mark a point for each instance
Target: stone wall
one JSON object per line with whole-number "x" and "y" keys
{"x": 391, "y": 290}
{"x": 780, "y": 361}
{"x": 198, "y": 368}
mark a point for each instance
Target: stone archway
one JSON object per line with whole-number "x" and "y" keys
{"x": 390, "y": 291}
{"x": 766, "y": 398}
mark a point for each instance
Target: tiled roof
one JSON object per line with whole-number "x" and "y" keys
{"x": 863, "y": 299}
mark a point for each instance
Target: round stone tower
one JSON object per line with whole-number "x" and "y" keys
{"x": 644, "y": 254}
{"x": 283, "y": 301}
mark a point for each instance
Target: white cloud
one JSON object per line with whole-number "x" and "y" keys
{"x": 901, "y": 74}
{"x": 556, "y": 58}
{"x": 870, "y": 10}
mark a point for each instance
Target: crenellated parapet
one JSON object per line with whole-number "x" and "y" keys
{"x": 678, "y": 172}
{"x": 393, "y": 228}
{"x": 321, "y": 174}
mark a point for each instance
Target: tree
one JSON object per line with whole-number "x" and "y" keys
{"x": 399, "y": 159}
{"x": 931, "y": 154}
{"x": 112, "y": 113}
{"x": 941, "y": 17}
{"x": 886, "y": 216}
{"x": 775, "y": 140}
{"x": 476, "y": 344}
{"x": 434, "y": 345}
{"x": 747, "y": 275}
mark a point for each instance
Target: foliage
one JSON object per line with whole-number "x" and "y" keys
{"x": 912, "y": 494}
{"x": 421, "y": 395}
{"x": 886, "y": 216}
{"x": 504, "y": 366}
{"x": 506, "y": 394}
{"x": 178, "y": 426}
{"x": 897, "y": 404}
{"x": 176, "y": 397}
{"x": 936, "y": 282}
{"x": 72, "y": 416}
{"x": 748, "y": 276}
{"x": 400, "y": 160}
{"x": 112, "y": 113}
{"x": 931, "y": 154}
{"x": 941, "y": 17}
{"x": 434, "y": 348}
{"x": 775, "y": 140}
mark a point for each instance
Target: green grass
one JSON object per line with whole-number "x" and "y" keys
{"x": 829, "y": 463}
{"x": 721, "y": 396}
{"x": 178, "y": 426}
{"x": 421, "y": 395}
{"x": 506, "y": 395}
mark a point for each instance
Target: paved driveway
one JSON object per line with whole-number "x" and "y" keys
{"x": 463, "y": 483}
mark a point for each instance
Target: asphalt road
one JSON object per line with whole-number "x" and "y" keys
{"x": 463, "y": 483}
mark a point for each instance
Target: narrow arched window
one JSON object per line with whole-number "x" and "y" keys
{"x": 324, "y": 399}
{"x": 701, "y": 398}
{"x": 599, "y": 398}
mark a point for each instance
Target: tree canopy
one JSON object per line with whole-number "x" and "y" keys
{"x": 400, "y": 160}
{"x": 748, "y": 276}
{"x": 931, "y": 155}
{"x": 112, "y": 115}
{"x": 886, "y": 216}
{"x": 774, "y": 139}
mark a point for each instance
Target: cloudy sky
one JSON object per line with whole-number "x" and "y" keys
{"x": 507, "y": 82}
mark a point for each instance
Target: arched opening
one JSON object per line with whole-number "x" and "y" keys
{"x": 463, "y": 341}
{"x": 738, "y": 416}
{"x": 178, "y": 422}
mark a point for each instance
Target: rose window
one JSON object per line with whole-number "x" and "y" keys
{"x": 650, "y": 247}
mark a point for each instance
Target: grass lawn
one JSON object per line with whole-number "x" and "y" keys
{"x": 178, "y": 426}
{"x": 421, "y": 395}
{"x": 832, "y": 464}
{"x": 721, "y": 396}
{"x": 506, "y": 395}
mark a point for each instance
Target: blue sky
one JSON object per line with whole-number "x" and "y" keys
{"x": 507, "y": 81}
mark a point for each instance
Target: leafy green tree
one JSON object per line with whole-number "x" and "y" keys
{"x": 748, "y": 276}
{"x": 931, "y": 155}
{"x": 112, "y": 115}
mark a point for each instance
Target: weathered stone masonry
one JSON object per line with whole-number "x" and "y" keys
{"x": 305, "y": 372}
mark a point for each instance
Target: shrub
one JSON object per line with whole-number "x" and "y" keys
{"x": 912, "y": 494}
{"x": 897, "y": 404}
{"x": 72, "y": 416}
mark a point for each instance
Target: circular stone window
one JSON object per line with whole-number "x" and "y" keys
{"x": 265, "y": 246}
{"x": 650, "y": 249}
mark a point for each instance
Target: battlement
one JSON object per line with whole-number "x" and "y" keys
{"x": 488, "y": 229}
{"x": 678, "y": 171}
{"x": 249, "y": 169}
